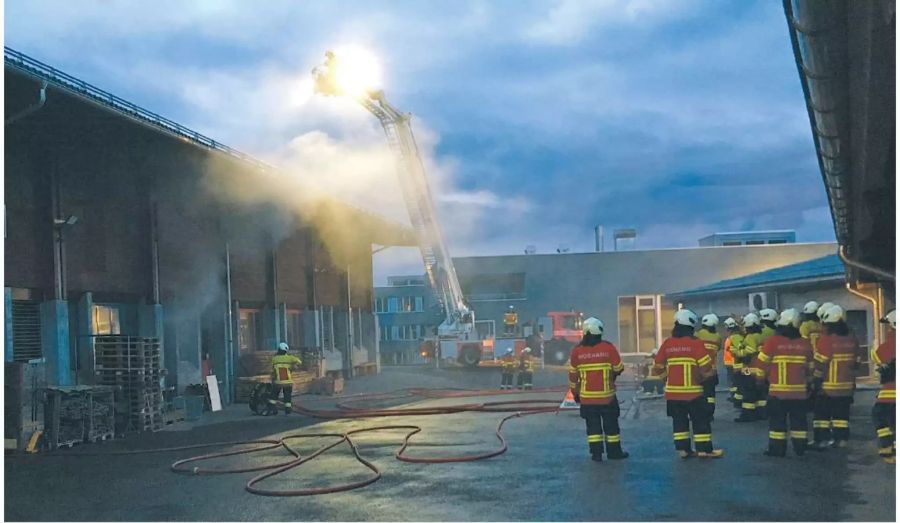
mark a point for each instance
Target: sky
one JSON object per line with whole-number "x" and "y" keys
{"x": 538, "y": 119}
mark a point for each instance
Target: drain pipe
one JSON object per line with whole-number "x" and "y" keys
{"x": 876, "y": 313}
{"x": 42, "y": 99}
{"x": 842, "y": 253}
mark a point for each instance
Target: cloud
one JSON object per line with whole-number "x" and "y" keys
{"x": 537, "y": 120}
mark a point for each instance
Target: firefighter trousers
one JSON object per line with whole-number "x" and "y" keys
{"x": 732, "y": 384}
{"x": 748, "y": 390}
{"x": 781, "y": 412}
{"x": 709, "y": 393}
{"x": 602, "y": 423}
{"x": 690, "y": 414}
{"x": 506, "y": 380}
{"x": 277, "y": 390}
{"x": 524, "y": 381}
{"x": 831, "y": 418}
{"x": 886, "y": 424}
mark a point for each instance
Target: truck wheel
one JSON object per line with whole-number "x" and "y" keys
{"x": 470, "y": 357}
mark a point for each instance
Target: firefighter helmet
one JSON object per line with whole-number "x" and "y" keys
{"x": 822, "y": 308}
{"x": 890, "y": 318}
{"x": 527, "y": 350}
{"x": 730, "y": 323}
{"x": 768, "y": 315}
{"x": 811, "y": 307}
{"x": 283, "y": 347}
{"x": 509, "y": 351}
{"x": 751, "y": 319}
{"x": 788, "y": 317}
{"x": 686, "y": 317}
{"x": 709, "y": 320}
{"x": 834, "y": 314}
{"x": 592, "y": 326}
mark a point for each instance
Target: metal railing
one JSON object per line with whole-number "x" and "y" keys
{"x": 57, "y": 78}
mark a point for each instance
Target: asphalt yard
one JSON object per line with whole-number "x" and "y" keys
{"x": 546, "y": 474}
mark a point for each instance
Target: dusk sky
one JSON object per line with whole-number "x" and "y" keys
{"x": 539, "y": 119}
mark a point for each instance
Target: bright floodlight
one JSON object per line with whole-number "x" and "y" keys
{"x": 348, "y": 71}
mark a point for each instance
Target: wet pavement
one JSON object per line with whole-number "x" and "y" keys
{"x": 545, "y": 476}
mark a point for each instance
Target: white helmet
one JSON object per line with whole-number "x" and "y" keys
{"x": 789, "y": 317}
{"x": 709, "y": 320}
{"x": 527, "y": 350}
{"x": 283, "y": 346}
{"x": 811, "y": 307}
{"x": 751, "y": 320}
{"x": 768, "y": 315}
{"x": 834, "y": 314}
{"x": 822, "y": 308}
{"x": 592, "y": 326}
{"x": 511, "y": 307}
{"x": 891, "y": 318}
{"x": 686, "y": 317}
{"x": 509, "y": 351}
{"x": 730, "y": 323}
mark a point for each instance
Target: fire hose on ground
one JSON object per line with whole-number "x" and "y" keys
{"x": 347, "y": 409}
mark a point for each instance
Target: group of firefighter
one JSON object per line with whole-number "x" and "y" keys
{"x": 520, "y": 366}
{"x": 780, "y": 367}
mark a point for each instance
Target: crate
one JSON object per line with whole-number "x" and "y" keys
{"x": 77, "y": 414}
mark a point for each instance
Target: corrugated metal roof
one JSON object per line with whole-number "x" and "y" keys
{"x": 829, "y": 266}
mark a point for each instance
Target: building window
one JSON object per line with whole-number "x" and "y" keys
{"x": 756, "y": 242}
{"x": 392, "y": 304}
{"x": 249, "y": 330}
{"x": 395, "y": 332}
{"x": 730, "y": 243}
{"x": 294, "y": 328}
{"x": 383, "y": 333}
{"x": 419, "y": 304}
{"x": 773, "y": 242}
{"x": 106, "y": 320}
{"x": 638, "y": 326}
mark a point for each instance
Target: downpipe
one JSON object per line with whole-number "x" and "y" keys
{"x": 842, "y": 254}
{"x": 42, "y": 99}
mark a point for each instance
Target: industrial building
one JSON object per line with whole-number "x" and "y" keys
{"x": 122, "y": 222}
{"x": 407, "y": 313}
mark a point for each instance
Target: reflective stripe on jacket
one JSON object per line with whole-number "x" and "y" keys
{"x": 786, "y": 363}
{"x": 592, "y": 372}
{"x": 885, "y": 354}
{"x": 712, "y": 341}
{"x": 686, "y": 363}
{"x": 281, "y": 368}
{"x": 836, "y": 363}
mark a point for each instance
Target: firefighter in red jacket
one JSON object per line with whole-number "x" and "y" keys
{"x": 785, "y": 361}
{"x": 836, "y": 355}
{"x": 885, "y": 403}
{"x": 593, "y": 367}
{"x": 686, "y": 363}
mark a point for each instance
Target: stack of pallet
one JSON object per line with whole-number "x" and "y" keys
{"x": 132, "y": 364}
{"x": 77, "y": 414}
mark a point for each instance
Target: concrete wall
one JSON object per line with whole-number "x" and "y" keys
{"x": 592, "y": 282}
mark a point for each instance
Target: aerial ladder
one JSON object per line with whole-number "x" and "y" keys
{"x": 457, "y": 326}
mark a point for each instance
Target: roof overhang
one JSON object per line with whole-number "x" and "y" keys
{"x": 845, "y": 55}
{"x": 838, "y": 278}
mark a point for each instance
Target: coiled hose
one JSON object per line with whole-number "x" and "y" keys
{"x": 348, "y": 409}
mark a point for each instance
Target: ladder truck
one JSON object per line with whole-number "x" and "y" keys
{"x": 457, "y": 337}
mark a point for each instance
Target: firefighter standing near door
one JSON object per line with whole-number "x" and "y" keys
{"x": 884, "y": 410}
{"x": 526, "y": 370}
{"x": 686, "y": 363}
{"x": 837, "y": 358}
{"x": 508, "y": 366}
{"x": 733, "y": 336}
{"x": 785, "y": 362}
{"x": 282, "y": 381}
{"x": 510, "y": 321}
{"x": 712, "y": 340}
{"x": 593, "y": 367}
{"x": 743, "y": 356}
